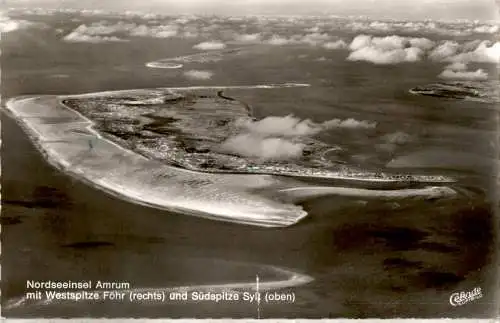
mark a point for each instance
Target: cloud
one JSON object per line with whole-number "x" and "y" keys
{"x": 478, "y": 75}
{"x": 485, "y": 52}
{"x": 282, "y": 126}
{"x": 339, "y": 44}
{"x": 314, "y": 29}
{"x": 255, "y": 146}
{"x": 387, "y": 50}
{"x": 75, "y": 37}
{"x": 470, "y": 45}
{"x": 248, "y": 38}
{"x": 365, "y": 26}
{"x": 97, "y": 32}
{"x": 105, "y": 28}
{"x": 281, "y": 137}
{"x": 162, "y": 31}
{"x": 391, "y": 141}
{"x": 389, "y": 42}
{"x": 486, "y": 29}
{"x": 458, "y": 71}
{"x": 8, "y": 24}
{"x": 306, "y": 24}
{"x": 457, "y": 66}
{"x": 381, "y": 26}
{"x": 422, "y": 43}
{"x": 377, "y": 56}
{"x": 349, "y": 124}
{"x": 210, "y": 45}
{"x": 198, "y": 75}
{"x": 291, "y": 126}
{"x": 314, "y": 39}
{"x": 444, "y": 50}
{"x": 279, "y": 40}
{"x": 474, "y": 51}
{"x": 189, "y": 34}
{"x": 359, "y": 42}
{"x": 463, "y": 28}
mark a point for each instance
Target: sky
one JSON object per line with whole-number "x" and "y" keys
{"x": 392, "y": 9}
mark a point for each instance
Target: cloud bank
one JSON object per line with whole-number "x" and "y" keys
{"x": 254, "y": 146}
{"x": 457, "y": 66}
{"x": 115, "y": 31}
{"x": 387, "y": 50}
{"x": 161, "y": 31}
{"x": 398, "y": 49}
{"x": 202, "y": 25}
{"x": 477, "y": 75}
{"x": 8, "y": 24}
{"x": 282, "y": 126}
{"x": 291, "y": 126}
{"x": 440, "y": 28}
{"x": 458, "y": 71}
{"x": 82, "y": 38}
{"x": 474, "y": 51}
{"x": 97, "y": 32}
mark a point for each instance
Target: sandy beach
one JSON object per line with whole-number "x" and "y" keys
{"x": 364, "y": 250}
{"x": 55, "y": 227}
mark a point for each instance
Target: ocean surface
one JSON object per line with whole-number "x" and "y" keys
{"x": 365, "y": 258}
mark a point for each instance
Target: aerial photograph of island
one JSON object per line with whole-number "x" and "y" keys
{"x": 250, "y": 159}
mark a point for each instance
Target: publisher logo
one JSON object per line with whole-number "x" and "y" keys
{"x": 461, "y": 298}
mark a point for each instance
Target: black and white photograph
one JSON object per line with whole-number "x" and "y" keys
{"x": 250, "y": 159}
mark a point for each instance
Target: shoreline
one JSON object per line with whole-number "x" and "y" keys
{"x": 64, "y": 167}
{"x": 199, "y": 87}
{"x": 356, "y": 178}
{"x": 265, "y": 212}
{"x": 248, "y": 246}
